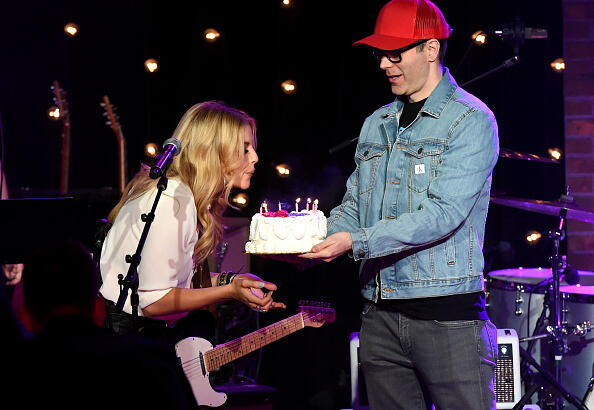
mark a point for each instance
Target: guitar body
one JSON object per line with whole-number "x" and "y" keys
{"x": 198, "y": 357}
{"x": 190, "y": 351}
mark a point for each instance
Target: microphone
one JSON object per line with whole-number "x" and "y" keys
{"x": 171, "y": 148}
{"x": 517, "y": 31}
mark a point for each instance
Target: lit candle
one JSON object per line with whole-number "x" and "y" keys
{"x": 297, "y": 204}
{"x": 265, "y": 205}
{"x": 308, "y": 202}
{"x": 261, "y": 207}
{"x": 279, "y": 206}
{"x": 315, "y": 205}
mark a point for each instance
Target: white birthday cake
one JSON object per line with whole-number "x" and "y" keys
{"x": 284, "y": 232}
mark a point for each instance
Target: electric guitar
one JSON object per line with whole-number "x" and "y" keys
{"x": 60, "y": 101}
{"x": 198, "y": 358}
{"x": 112, "y": 121}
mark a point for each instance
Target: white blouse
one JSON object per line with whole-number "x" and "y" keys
{"x": 166, "y": 259}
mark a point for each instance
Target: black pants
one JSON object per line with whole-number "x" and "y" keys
{"x": 195, "y": 324}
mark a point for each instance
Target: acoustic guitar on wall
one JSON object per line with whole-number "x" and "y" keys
{"x": 113, "y": 122}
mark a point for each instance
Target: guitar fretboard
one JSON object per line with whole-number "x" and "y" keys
{"x": 225, "y": 353}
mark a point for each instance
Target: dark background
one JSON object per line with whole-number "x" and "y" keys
{"x": 263, "y": 44}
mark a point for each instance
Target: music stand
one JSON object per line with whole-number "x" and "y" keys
{"x": 27, "y": 224}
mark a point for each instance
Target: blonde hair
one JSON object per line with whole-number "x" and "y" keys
{"x": 212, "y": 150}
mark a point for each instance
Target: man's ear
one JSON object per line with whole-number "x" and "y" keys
{"x": 432, "y": 47}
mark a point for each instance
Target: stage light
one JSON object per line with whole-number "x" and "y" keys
{"x": 289, "y": 87}
{"x": 555, "y": 153}
{"x": 71, "y": 29}
{"x": 151, "y": 65}
{"x": 151, "y": 150}
{"x": 240, "y": 200}
{"x": 286, "y": 3}
{"x": 211, "y": 35}
{"x": 533, "y": 237}
{"x": 479, "y": 37}
{"x": 283, "y": 170}
{"x": 558, "y": 65}
{"x": 53, "y": 113}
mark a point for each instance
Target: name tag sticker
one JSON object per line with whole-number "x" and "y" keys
{"x": 419, "y": 168}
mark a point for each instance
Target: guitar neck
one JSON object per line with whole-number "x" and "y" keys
{"x": 65, "y": 159}
{"x": 122, "y": 167}
{"x": 225, "y": 353}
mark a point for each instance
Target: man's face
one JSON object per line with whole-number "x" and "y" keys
{"x": 409, "y": 78}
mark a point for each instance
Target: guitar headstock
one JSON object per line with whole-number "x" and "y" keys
{"x": 315, "y": 314}
{"x": 110, "y": 114}
{"x": 61, "y": 102}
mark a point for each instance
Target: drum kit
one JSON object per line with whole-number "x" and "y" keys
{"x": 545, "y": 307}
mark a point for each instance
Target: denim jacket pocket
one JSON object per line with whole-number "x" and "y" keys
{"x": 368, "y": 157}
{"x": 425, "y": 157}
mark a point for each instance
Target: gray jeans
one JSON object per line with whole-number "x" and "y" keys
{"x": 410, "y": 363}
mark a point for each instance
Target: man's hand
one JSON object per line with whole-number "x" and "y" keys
{"x": 334, "y": 246}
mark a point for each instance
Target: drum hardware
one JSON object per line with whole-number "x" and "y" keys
{"x": 519, "y": 300}
{"x": 556, "y": 330}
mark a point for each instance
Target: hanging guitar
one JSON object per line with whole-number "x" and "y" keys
{"x": 198, "y": 358}
{"x": 60, "y": 101}
{"x": 113, "y": 122}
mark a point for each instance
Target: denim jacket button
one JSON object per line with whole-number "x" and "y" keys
{"x": 420, "y": 150}
{"x": 361, "y": 253}
{"x": 365, "y": 153}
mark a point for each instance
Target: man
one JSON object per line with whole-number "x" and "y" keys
{"x": 414, "y": 214}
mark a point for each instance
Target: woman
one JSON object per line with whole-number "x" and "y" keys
{"x": 217, "y": 154}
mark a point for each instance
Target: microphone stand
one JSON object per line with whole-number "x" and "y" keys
{"x": 130, "y": 282}
{"x": 506, "y": 64}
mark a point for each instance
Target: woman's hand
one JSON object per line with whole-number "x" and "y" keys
{"x": 254, "y": 292}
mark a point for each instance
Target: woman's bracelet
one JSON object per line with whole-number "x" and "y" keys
{"x": 225, "y": 278}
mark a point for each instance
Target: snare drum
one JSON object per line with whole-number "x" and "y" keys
{"x": 509, "y": 294}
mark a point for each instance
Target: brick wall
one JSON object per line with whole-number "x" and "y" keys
{"x": 578, "y": 84}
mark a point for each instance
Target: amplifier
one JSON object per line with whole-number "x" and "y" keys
{"x": 508, "y": 384}
{"x": 358, "y": 390}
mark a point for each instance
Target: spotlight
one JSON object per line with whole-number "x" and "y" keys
{"x": 54, "y": 113}
{"x": 555, "y": 153}
{"x": 241, "y": 200}
{"x": 71, "y": 29}
{"x": 286, "y": 3}
{"x": 558, "y": 65}
{"x": 151, "y": 65}
{"x": 151, "y": 149}
{"x": 479, "y": 37}
{"x": 289, "y": 87}
{"x": 533, "y": 237}
{"x": 211, "y": 35}
{"x": 283, "y": 170}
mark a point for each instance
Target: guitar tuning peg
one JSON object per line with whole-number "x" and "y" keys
{"x": 108, "y": 123}
{"x": 102, "y": 104}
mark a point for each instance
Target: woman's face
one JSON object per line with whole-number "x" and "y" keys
{"x": 241, "y": 178}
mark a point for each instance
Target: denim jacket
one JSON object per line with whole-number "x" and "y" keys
{"x": 417, "y": 202}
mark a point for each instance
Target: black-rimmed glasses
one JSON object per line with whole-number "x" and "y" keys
{"x": 395, "y": 56}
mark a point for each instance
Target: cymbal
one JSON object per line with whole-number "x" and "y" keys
{"x": 546, "y": 207}
{"x": 533, "y": 276}
{"x": 508, "y": 153}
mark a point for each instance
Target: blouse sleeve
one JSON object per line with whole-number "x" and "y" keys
{"x": 167, "y": 254}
